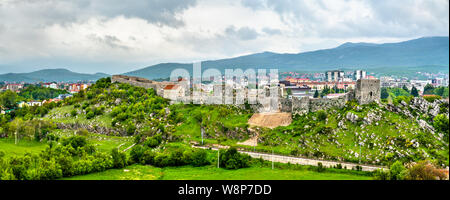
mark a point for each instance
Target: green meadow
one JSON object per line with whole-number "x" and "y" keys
{"x": 147, "y": 172}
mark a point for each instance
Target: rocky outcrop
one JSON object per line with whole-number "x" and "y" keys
{"x": 424, "y": 125}
{"x": 91, "y": 128}
{"x": 352, "y": 117}
{"x": 371, "y": 118}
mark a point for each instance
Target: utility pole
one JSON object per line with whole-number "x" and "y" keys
{"x": 272, "y": 159}
{"x": 15, "y": 138}
{"x": 218, "y": 157}
{"x": 360, "y": 153}
{"x": 201, "y": 130}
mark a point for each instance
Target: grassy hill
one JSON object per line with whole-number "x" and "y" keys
{"x": 83, "y": 132}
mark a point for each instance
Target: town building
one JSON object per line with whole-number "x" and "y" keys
{"x": 14, "y": 87}
{"x": 173, "y": 92}
{"x": 359, "y": 74}
{"x": 334, "y": 75}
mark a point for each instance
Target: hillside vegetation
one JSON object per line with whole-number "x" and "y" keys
{"x": 113, "y": 125}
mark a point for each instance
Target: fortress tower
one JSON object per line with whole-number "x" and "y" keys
{"x": 367, "y": 91}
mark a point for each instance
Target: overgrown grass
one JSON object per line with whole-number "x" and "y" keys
{"x": 141, "y": 172}
{"x": 24, "y": 146}
{"x": 102, "y": 143}
{"x": 62, "y": 115}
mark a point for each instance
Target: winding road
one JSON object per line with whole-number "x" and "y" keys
{"x": 301, "y": 161}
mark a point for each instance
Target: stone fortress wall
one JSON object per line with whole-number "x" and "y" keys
{"x": 141, "y": 82}
{"x": 366, "y": 91}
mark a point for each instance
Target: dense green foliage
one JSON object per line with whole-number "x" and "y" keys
{"x": 422, "y": 170}
{"x": 232, "y": 159}
{"x": 74, "y": 156}
{"x": 178, "y": 156}
{"x": 428, "y": 90}
{"x": 8, "y": 99}
{"x": 33, "y": 92}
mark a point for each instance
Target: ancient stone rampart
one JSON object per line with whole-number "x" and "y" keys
{"x": 366, "y": 91}
{"x": 140, "y": 82}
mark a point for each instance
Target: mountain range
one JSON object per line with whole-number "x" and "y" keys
{"x": 427, "y": 51}
{"x": 422, "y": 53}
{"x": 49, "y": 75}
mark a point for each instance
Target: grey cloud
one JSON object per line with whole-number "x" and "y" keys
{"x": 271, "y": 31}
{"x": 162, "y": 12}
{"x": 107, "y": 40}
{"x": 407, "y": 18}
{"x": 44, "y": 12}
{"x": 244, "y": 33}
{"x": 254, "y": 4}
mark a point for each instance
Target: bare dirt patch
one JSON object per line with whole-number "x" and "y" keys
{"x": 253, "y": 141}
{"x": 270, "y": 120}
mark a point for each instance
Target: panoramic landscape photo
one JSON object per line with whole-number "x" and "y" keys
{"x": 224, "y": 90}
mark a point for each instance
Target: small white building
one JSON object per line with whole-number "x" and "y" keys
{"x": 173, "y": 92}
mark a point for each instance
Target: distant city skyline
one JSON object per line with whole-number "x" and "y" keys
{"x": 114, "y": 37}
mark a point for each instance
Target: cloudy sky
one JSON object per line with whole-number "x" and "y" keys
{"x": 116, "y": 36}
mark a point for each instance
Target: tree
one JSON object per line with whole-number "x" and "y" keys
{"x": 441, "y": 123}
{"x": 397, "y": 171}
{"x": 119, "y": 158}
{"x": 136, "y": 153}
{"x": 232, "y": 159}
{"x": 429, "y": 89}
{"x": 8, "y": 99}
{"x": 384, "y": 93}
{"x": 405, "y": 88}
{"x": 414, "y": 92}
{"x": 423, "y": 170}
{"x": 289, "y": 91}
{"x": 316, "y": 94}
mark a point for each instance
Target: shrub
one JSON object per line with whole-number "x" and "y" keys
{"x": 358, "y": 168}
{"x": 321, "y": 115}
{"x": 431, "y": 98}
{"x": 199, "y": 158}
{"x": 381, "y": 174}
{"x": 153, "y": 141}
{"x": 320, "y": 167}
{"x": 136, "y": 153}
{"x": 148, "y": 157}
{"x": 232, "y": 159}
{"x": 82, "y": 132}
{"x": 115, "y": 111}
{"x": 130, "y": 128}
{"x": 75, "y": 141}
{"x": 397, "y": 171}
{"x": 441, "y": 124}
{"x": 73, "y": 113}
{"x": 162, "y": 160}
{"x": 424, "y": 171}
{"x": 119, "y": 158}
{"x": 176, "y": 158}
{"x": 90, "y": 115}
{"x": 324, "y": 130}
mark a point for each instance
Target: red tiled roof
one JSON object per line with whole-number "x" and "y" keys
{"x": 171, "y": 87}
